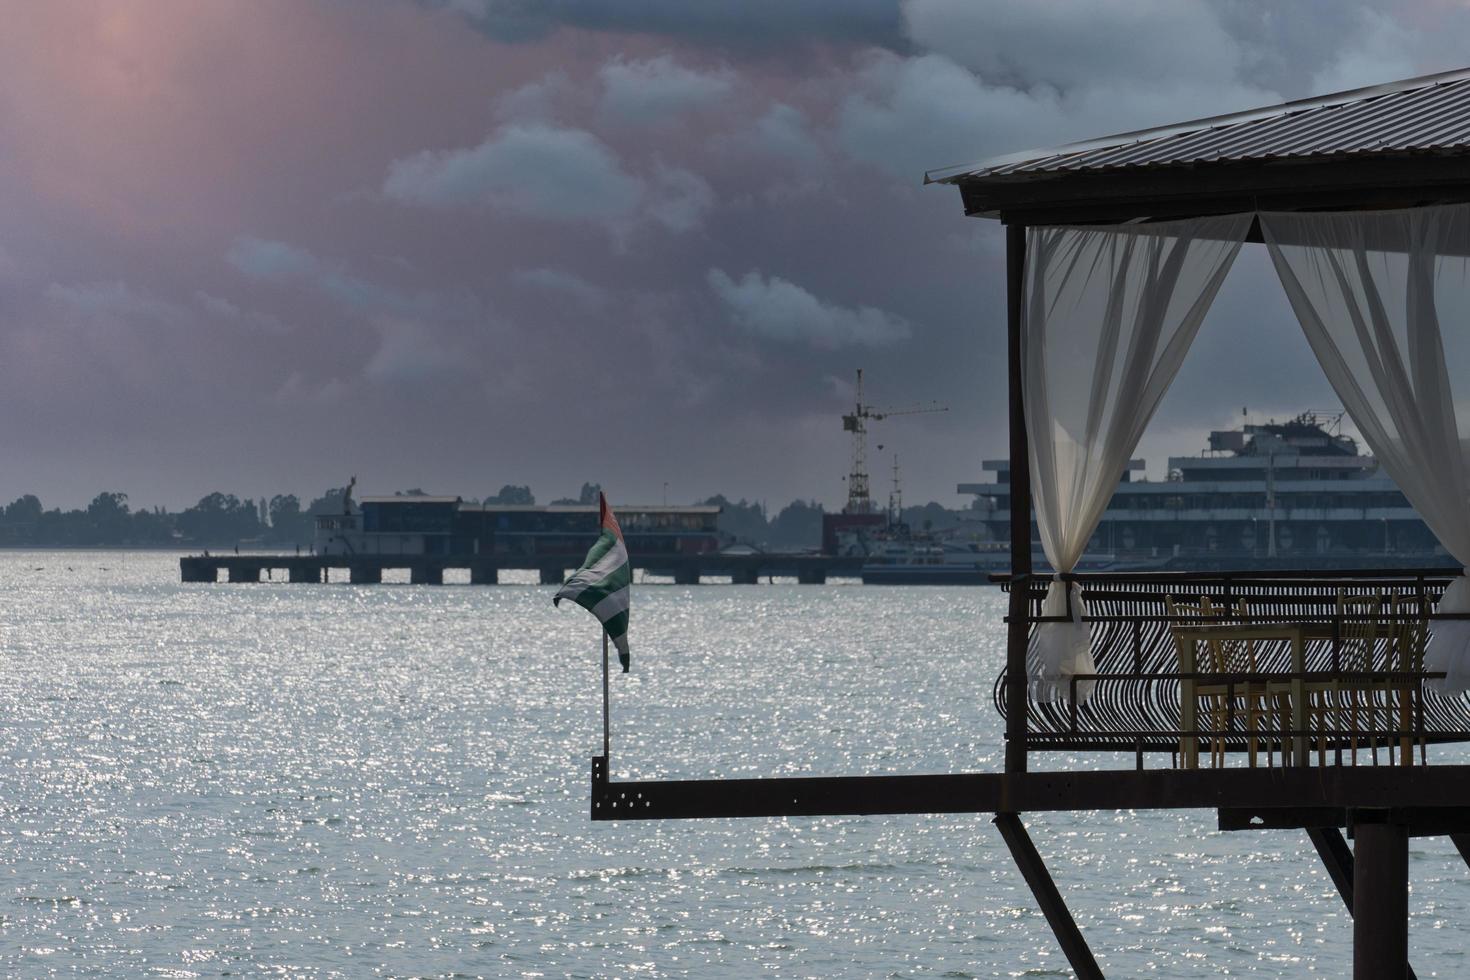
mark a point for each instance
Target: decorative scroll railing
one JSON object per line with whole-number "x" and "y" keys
{"x": 1135, "y": 705}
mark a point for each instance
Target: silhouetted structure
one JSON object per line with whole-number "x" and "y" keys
{"x": 1269, "y": 653}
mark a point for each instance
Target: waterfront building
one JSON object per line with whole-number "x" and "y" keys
{"x": 449, "y": 527}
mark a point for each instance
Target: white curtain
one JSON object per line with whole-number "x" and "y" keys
{"x": 1384, "y": 299}
{"x": 1109, "y": 314}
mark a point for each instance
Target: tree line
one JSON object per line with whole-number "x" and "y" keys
{"x": 217, "y": 520}
{"x": 222, "y": 520}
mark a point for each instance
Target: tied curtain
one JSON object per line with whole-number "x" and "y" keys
{"x": 1108, "y": 316}
{"x": 1384, "y": 300}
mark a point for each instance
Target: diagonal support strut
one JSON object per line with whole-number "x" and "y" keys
{"x": 1462, "y": 844}
{"x": 1028, "y": 860}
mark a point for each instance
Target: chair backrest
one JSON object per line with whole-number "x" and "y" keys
{"x": 1213, "y": 656}
{"x": 1360, "y": 628}
{"x": 1411, "y": 631}
{"x": 1240, "y": 655}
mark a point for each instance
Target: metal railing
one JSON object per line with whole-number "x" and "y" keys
{"x": 1135, "y": 704}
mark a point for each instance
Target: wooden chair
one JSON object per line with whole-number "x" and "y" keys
{"x": 1360, "y": 631}
{"x": 1409, "y": 631}
{"x": 1215, "y": 655}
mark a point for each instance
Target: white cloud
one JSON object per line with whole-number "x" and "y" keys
{"x": 785, "y": 132}
{"x": 586, "y": 293}
{"x": 409, "y": 353}
{"x": 223, "y": 309}
{"x": 781, "y": 310}
{"x": 1070, "y": 44}
{"x": 909, "y": 115}
{"x": 549, "y": 172}
{"x": 914, "y": 114}
{"x": 679, "y": 199}
{"x": 1384, "y": 51}
{"x": 656, "y": 90}
{"x": 271, "y": 261}
{"x": 115, "y": 300}
{"x": 283, "y": 263}
{"x": 540, "y": 170}
{"x": 534, "y": 101}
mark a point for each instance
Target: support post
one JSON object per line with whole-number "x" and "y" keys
{"x": 423, "y": 573}
{"x": 1052, "y": 906}
{"x": 365, "y": 574}
{"x": 1337, "y": 858}
{"x": 552, "y": 576}
{"x": 483, "y": 574}
{"x": 606, "y": 712}
{"x": 1380, "y": 897}
{"x": 1018, "y": 635}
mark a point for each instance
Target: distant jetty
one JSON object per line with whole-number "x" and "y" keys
{"x": 741, "y": 569}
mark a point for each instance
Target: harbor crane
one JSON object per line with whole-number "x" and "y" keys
{"x": 856, "y": 422}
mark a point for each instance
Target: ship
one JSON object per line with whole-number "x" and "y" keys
{"x": 1292, "y": 494}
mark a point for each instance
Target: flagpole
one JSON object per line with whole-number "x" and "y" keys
{"x": 606, "y": 728}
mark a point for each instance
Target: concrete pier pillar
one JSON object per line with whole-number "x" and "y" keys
{"x": 1380, "y": 897}
{"x": 744, "y": 576}
{"x": 553, "y": 576}
{"x": 364, "y": 574}
{"x": 686, "y": 576}
{"x": 426, "y": 575}
{"x": 197, "y": 570}
{"x": 811, "y": 576}
{"x": 305, "y": 573}
{"x": 244, "y": 573}
{"x": 484, "y": 575}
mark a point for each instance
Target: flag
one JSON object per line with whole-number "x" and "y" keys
{"x": 601, "y": 585}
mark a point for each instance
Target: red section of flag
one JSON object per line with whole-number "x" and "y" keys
{"x": 609, "y": 522}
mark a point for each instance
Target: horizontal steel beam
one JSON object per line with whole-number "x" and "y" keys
{"x": 1424, "y": 821}
{"x": 1154, "y": 789}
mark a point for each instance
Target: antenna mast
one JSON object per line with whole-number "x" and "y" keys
{"x": 858, "y": 499}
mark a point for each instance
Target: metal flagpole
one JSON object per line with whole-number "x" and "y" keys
{"x": 606, "y": 729}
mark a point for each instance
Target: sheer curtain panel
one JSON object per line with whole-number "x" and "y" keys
{"x": 1109, "y": 314}
{"x": 1384, "y": 299}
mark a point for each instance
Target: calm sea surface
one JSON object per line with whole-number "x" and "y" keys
{"x": 343, "y": 780}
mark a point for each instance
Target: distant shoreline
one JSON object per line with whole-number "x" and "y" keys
{"x": 189, "y": 549}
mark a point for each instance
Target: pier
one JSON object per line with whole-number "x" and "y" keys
{"x": 744, "y": 569}
{"x": 1310, "y": 700}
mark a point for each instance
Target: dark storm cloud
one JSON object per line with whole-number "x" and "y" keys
{"x": 287, "y": 241}
{"x": 752, "y": 23}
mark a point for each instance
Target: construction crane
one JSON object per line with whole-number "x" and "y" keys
{"x": 856, "y": 422}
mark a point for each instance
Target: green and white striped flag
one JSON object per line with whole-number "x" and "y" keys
{"x": 601, "y": 585}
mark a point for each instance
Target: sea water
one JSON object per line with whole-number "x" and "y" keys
{"x": 337, "y": 780}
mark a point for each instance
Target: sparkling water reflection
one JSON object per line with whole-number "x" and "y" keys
{"x": 345, "y": 781}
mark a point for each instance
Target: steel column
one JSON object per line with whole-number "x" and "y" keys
{"x": 1019, "y": 632}
{"x": 1052, "y": 905}
{"x": 1380, "y": 898}
{"x": 1337, "y": 858}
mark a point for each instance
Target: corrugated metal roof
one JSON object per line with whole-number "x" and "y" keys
{"x": 1429, "y": 114}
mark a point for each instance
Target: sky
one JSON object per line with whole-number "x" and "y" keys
{"x": 261, "y": 246}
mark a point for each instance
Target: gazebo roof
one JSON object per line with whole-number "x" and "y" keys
{"x": 1393, "y": 145}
